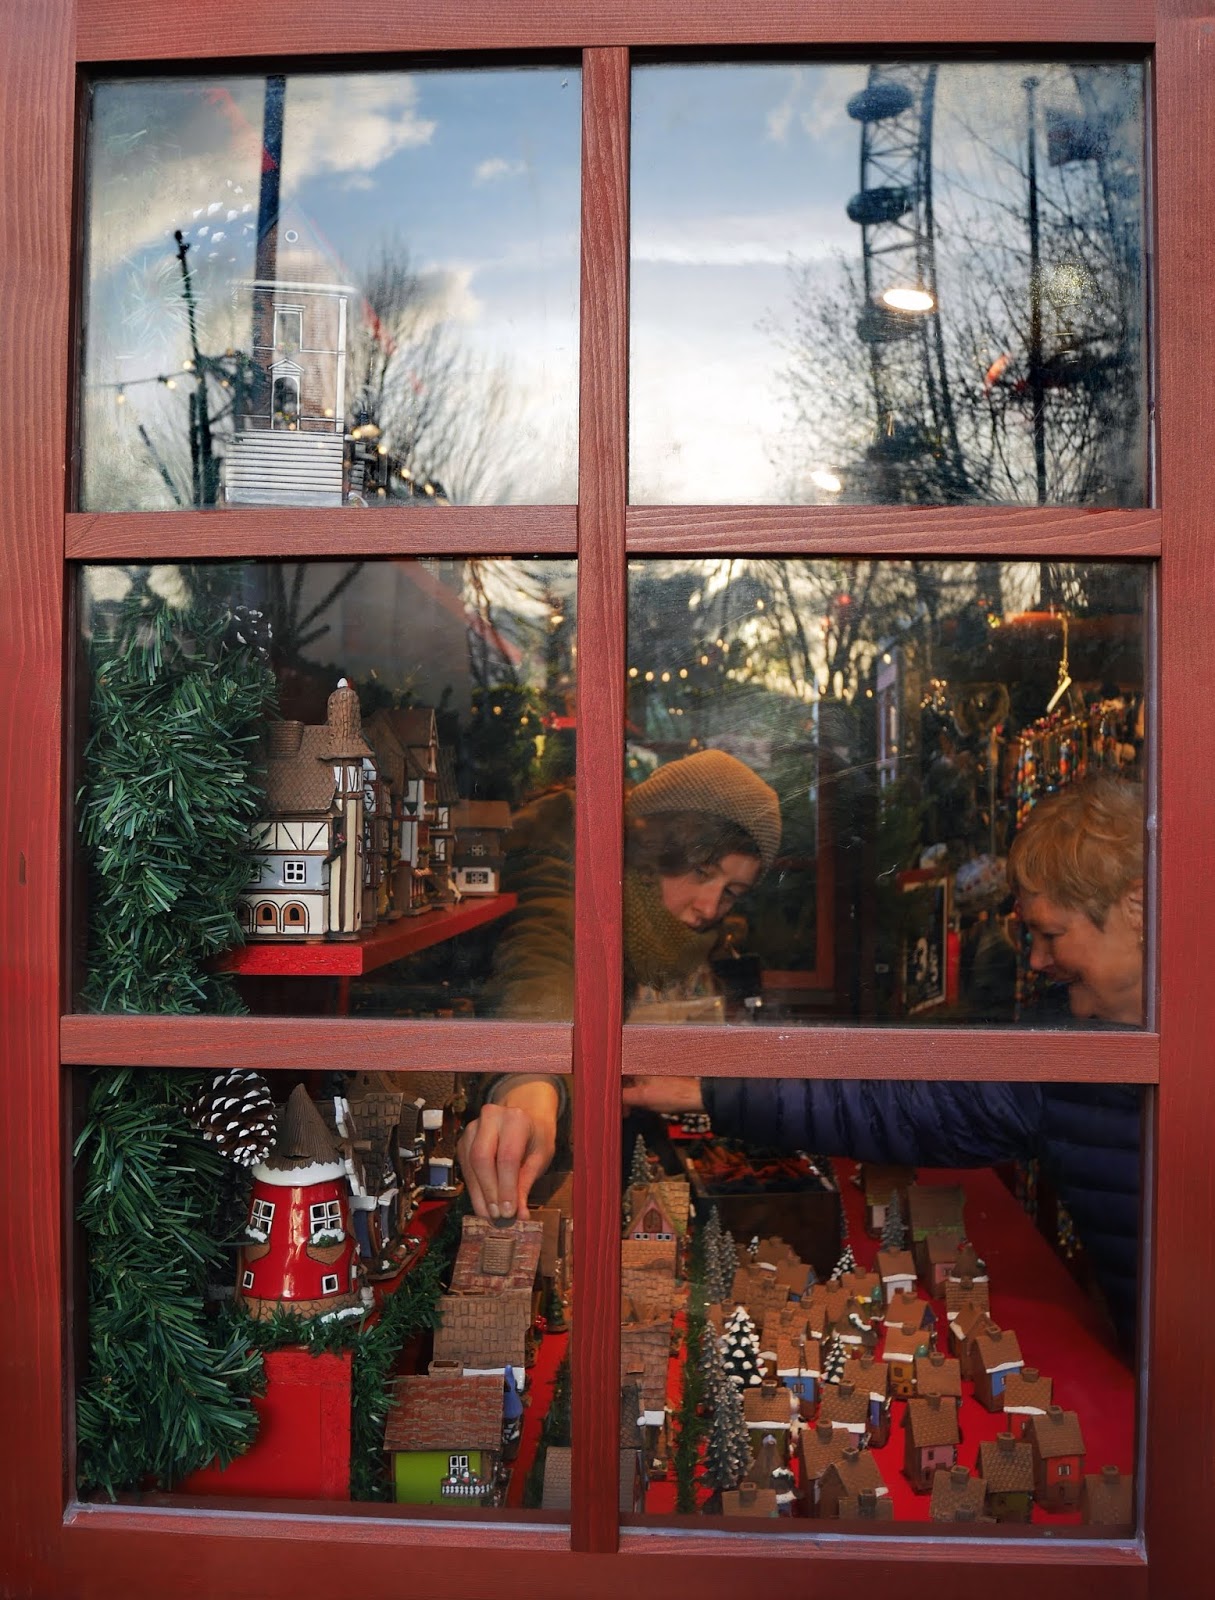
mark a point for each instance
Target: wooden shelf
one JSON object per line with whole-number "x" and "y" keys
{"x": 351, "y": 958}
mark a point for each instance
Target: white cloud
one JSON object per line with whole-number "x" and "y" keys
{"x": 359, "y": 181}
{"x": 751, "y": 240}
{"x": 498, "y": 167}
{"x": 349, "y": 123}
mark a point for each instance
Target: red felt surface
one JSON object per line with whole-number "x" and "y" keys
{"x": 1059, "y": 1329}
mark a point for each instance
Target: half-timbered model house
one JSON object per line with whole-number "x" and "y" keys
{"x": 478, "y": 852}
{"x": 367, "y": 1122}
{"x": 306, "y": 881}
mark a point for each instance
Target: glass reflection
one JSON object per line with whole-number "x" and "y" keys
{"x": 890, "y": 1332}
{"x": 304, "y": 776}
{"x": 965, "y": 326}
{"x": 331, "y": 290}
{"x": 885, "y": 791}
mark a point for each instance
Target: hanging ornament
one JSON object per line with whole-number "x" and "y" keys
{"x": 237, "y": 1114}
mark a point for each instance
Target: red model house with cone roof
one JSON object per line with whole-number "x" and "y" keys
{"x": 297, "y": 1254}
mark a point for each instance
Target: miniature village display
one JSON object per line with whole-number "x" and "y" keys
{"x": 330, "y": 1285}
{"x": 766, "y": 1391}
{"x": 361, "y": 824}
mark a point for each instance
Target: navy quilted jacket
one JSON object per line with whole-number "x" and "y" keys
{"x": 1087, "y": 1136}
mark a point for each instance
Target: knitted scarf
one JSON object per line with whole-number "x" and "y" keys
{"x": 658, "y": 949}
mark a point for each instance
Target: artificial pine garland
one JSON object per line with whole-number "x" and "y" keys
{"x": 168, "y": 1388}
{"x": 170, "y": 789}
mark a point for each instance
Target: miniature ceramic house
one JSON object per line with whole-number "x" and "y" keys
{"x": 965, "y": 1328}
{"x": 1006, "y": 1466}
{"x": 1107, "y": 1500}
{"x": 817, "y": 1449}
{"x": 485, "y": 1333}
{"x": 306, "y": 881}
{"x": 871, "y": 1378}
{"x": 996, "y": 1356}
{"x": 297, "y": 1254}
{"x": 940, "y": 1253}
{"x": 645, "y": 1352}
{"x": 846, "y": 1408}
{"x": 798, "y": 1366}
{"x": 903, "y": 1344}
{"x": 896, "y": 1268}
{"x": 956, "y": 1496}
{"x": 933, "y": 1208}
{"x": 879, "y": 1183}
{"x": 444, "y": 1438}
{"x": 1058, "y": 1447}
{"x": 633, "y": 1480}
{"x": 932, "y": 1440}
{"x": 748, "y": 1500}
{"x": 1027, "y": 1394}
{"x": 477, "y": 857}
{"x": 939, "y": 1374}
{"x": 367, "y": 1124}
{"x": 847, "y": 1478}
{"x": 768, "y": 1412}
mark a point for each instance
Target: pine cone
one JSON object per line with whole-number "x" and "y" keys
{"x": 237, "y": 1114}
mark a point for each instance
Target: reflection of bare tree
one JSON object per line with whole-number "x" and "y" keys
{"x": 441, "y": 413}
{"x": 1040, "y": 306}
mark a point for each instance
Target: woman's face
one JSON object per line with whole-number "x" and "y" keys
{"x": 1102, "y": 967}
{"x": 702, "y": 896}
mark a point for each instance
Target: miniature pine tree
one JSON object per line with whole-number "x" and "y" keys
{"x": 729, "y": 1257}
{"x": 894, "y": 1229}
{"x": 741, "y": 1352}
{"x": 712, "y": 1258}
{"x": 728, "y": 1448}
{"x": 846, "y": 1263}
{"x": 712, "y": 1360}
{"x": 833, "y": 1361}
{"x": 753, "y": 1247}
{"x": 639, "y": 1172}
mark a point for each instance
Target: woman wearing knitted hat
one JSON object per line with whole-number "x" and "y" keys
{"x": 699, "y": 833}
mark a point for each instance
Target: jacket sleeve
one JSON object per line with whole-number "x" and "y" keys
{"x": 533, "y": 966}
{"x": 930, "y": 1124}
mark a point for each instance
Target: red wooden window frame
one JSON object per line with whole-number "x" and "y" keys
{"x": 52, "y": 1546}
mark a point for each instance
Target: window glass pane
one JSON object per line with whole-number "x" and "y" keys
{"x": 341, "y": 289}
{"x": 288, "y": 1299}
{"x": 835, "y": 762}
{"x": 964, "y": 323}
{"x": 297, "y": 789}
{"x": 884, "y": 1343}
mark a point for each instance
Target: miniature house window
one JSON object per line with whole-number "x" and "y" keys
{"x": 456, "y": 1465}
{"x": 247, "y": 1281}
{"x": 267, "y": 915}
{"x": 288, "y": 330}
{"x": 262, "y": 1215}
{"x": 1064, "y": 1469}
{"x": 294, "y": 872}
{"x": 285, "y": 404}
{"x": 329, "y": 1283}
{"x": 294, "y": 915}
{"x": 325, "y": 1215}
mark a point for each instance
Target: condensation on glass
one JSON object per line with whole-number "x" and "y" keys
{"x": 910, "y": 718}
{"x": 903, "y": 282}
{"x": 328, "y": 290}
{"x": 314, "y": 767}
{"x": 301, "y": 1207}
{"x": 837, "y": 1319}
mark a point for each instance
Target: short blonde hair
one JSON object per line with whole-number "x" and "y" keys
{"x": 1083, "y": 847}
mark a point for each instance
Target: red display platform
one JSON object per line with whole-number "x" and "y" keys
{"x": 1060, "y": 1331}
{"x": 302, "y": 1451}
{"x": 351, "y": 958}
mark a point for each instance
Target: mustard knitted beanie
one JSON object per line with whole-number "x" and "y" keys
{"x": 720, "y": 786}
